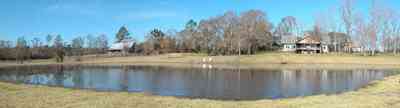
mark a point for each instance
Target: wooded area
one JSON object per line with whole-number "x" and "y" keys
{"x": 231, "y": 33}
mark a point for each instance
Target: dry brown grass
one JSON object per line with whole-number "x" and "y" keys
{"x": 265, "y": 58}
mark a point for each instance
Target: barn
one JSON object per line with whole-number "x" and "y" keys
{"x": 121, "y": 48}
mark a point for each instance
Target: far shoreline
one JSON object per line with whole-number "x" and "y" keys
{"x": 259, "y": 61}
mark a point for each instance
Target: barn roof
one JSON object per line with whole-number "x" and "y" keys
{"x": 121, "y": 45}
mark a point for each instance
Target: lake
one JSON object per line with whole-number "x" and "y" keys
{"x": 196, "y": 82}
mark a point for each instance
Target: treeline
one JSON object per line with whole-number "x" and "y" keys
{"x": 52, "y": 47}
{"x": 227, "y": 34}
{"x": 377, "y": 30}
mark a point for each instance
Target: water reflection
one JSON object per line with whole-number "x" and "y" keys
{"x": 215, "y": 83}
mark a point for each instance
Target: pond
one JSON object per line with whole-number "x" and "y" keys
{"x": 194, "y": 82}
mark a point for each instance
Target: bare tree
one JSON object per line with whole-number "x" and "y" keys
{"x": 375, "y": 26}
{"x": 21, "y": 50}
{"x": 6, "y": 52}
{"x": 396, "y": 33}
{"x": 228, "y": 23}
{"x": 157, "y": 42}
{"x": 49, "y": 38}
{"x": 247, "y": 22}
{"x": 101, "y": 43}
{"x": 91, "y": 44}
{"x": 347, "y": 15}
{"x": 207, "y": 34}
{"x": 252, "y": 23}
{"x": 389, "y": 28}
{"x": 171, "y": 41}
{"x": 187, "y": 36}
{"x": 287, "y": 28}
{"x": 36, "y": 48}
{"x": 361, "y": 31}
{"x": 320, "y": 27}
{"x": 77, "y": 47}
{"x": 59, "y": 48}
{"x": 226, "y": 34}
{"x": 333, "y": 27}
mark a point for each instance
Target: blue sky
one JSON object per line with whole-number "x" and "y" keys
{"x": 71, "y": 18}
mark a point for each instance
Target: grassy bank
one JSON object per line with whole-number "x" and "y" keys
{"x": 264, "y": 58}
{"x": 379, "y": 94}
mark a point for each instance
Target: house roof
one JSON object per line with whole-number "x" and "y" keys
{"x": 309, "y": 40}
{"x": 289, "y": 39}
{"x": 121, "y": 45}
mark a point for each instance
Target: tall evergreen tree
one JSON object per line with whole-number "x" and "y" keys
{"x": 122, "y": 34}
{"x": 191, "y": 25}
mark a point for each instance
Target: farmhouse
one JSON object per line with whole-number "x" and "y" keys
{"x": 310, "y": 45}
{"x": 307, "y": 45}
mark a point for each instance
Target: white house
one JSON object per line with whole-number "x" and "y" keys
{"x": 289, "y": 44}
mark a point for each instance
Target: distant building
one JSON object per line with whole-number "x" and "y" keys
{"x": 289, "y": 44}
{"x": 121, "y": 47}
{"x": 310, "y": 45}
{"x": 352, "y": 47}
{"x": 338, "y": 42}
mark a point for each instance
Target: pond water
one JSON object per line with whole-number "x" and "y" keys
{"x": 192, "y": 82}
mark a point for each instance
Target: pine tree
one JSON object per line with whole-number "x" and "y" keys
{"x": 122, "y": 34}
